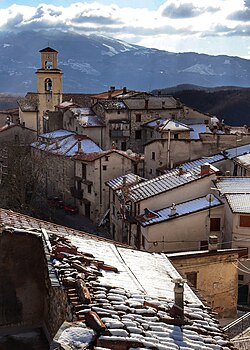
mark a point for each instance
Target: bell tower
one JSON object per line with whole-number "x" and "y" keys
{"x": 49, "y": 85}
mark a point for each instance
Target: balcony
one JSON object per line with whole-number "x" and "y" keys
{"x": 76, "y": 193}
{"x": 119, "y": 133}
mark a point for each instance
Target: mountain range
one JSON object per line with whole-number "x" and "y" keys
{"x": 94, "y": 63}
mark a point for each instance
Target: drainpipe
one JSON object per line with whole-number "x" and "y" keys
{"x": 168, "y": 150}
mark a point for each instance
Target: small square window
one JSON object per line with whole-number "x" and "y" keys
{"x": 241, "y": 277}
{"x": 138, "y": 134}
{"x": 153, "y": 155}
{"x": 106, "y": 158}
{"x": 176, "y": 136}
{"x": 89, "y": 188}
{"x": 138, "y": 118}
{"x": 104, "y": 167}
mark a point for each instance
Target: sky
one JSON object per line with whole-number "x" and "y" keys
{"x": 213, "y": 27}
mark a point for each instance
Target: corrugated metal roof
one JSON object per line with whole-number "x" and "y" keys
{"x": 118, "y": 182}
{"x": 237, "y": 151}
{"x": 162, "y": 184}
{"x": 231, "y": 185}
{"x": 239, "y": 203}
{"x": 184, "y": 208}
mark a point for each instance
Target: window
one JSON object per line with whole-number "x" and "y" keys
{"x": 241, "y": 277}
{"x": 153, "y": 155}
{"x": 48, "y": 84}
{"x": 151, "y": 134}
{"x": 123, "y": 145}
{"x": 138, "y": 118}
{"x": 76, "y": 128}
{"x": 138, "y": 134}
{"x": 150, "y": 171}
{"x": 84, "y": 171}
{"x": 104, "y": 167}
{"x": 176, "y": 136}
{"x": 192, "y": 278}
{"x": 106, "y": 158}
{"x": 89, "y": 188}
{"x": 244, "y": 221}
{"x": 214, "y": 224}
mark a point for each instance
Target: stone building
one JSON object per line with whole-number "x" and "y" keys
{"x": 92, "y": 171}
{"x": 55, "y": 151}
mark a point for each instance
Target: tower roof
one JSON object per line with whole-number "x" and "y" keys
{"x": 48, "y": 49}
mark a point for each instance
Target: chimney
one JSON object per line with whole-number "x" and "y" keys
{"x": 205, "y": 169}
{"x": 173, "y": 210}
{"x": 180, "y": 170}
{"x": 79, "y": 146}
{"x": 227, "y": 173}
{"x": 112, "y": 88}
{"x": 178, "y": 299}
{"x": 109, "y": 94}
{"x": 213, "y": 243}
{"x": 124, "y": 90}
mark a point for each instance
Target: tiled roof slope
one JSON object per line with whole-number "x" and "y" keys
{"x": 163, "y": 183}
{"x": 115, "y": 305}
{"x": 182, "y": 209}
{"x": 236, "y": 190}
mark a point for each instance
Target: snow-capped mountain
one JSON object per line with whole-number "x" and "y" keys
{"x": 93, "y": 63}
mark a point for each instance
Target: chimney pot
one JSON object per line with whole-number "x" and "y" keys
{"x": 173, "y": 210}
{"x": 205, "y": 169}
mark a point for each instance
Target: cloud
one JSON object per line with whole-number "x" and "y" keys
{"x": 243, "y": 15}
{"x": 186, "y": 10}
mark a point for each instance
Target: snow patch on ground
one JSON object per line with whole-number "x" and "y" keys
{"x": 77, "y": 337}
{"x": 200, "y": 69}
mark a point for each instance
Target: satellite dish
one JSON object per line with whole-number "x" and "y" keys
{"x": 129, "y": 151}
{"x": 210, "y": 197}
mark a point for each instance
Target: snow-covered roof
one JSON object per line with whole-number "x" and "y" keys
{"x": 243, "y": 160}
{"x": 198, "y": 129}
{"x": 68, "y": 146}
{"x": 174, "y": 125}
{"x": 189, "y": 207}
{"x": 133, "y": 311}
{"x": 57, "y": 134}
{"x": 197, "y": 162}
{"x": 237, "y": 151}
{"x": 165, "y": 183}
{"x": 233, "y": 185}
{"x": 239, "y": 202}
{"x": 129, "y": 179}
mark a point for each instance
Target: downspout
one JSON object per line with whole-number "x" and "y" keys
{"x": 100, "y": 182}
{"x": 168, "y": 150}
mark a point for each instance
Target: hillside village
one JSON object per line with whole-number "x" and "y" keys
{"x": 166, "y": 191}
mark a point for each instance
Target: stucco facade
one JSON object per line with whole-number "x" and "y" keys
{"x": 214, "y": 274}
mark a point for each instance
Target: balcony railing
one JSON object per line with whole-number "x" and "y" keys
{"x": 119, "y": 133}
